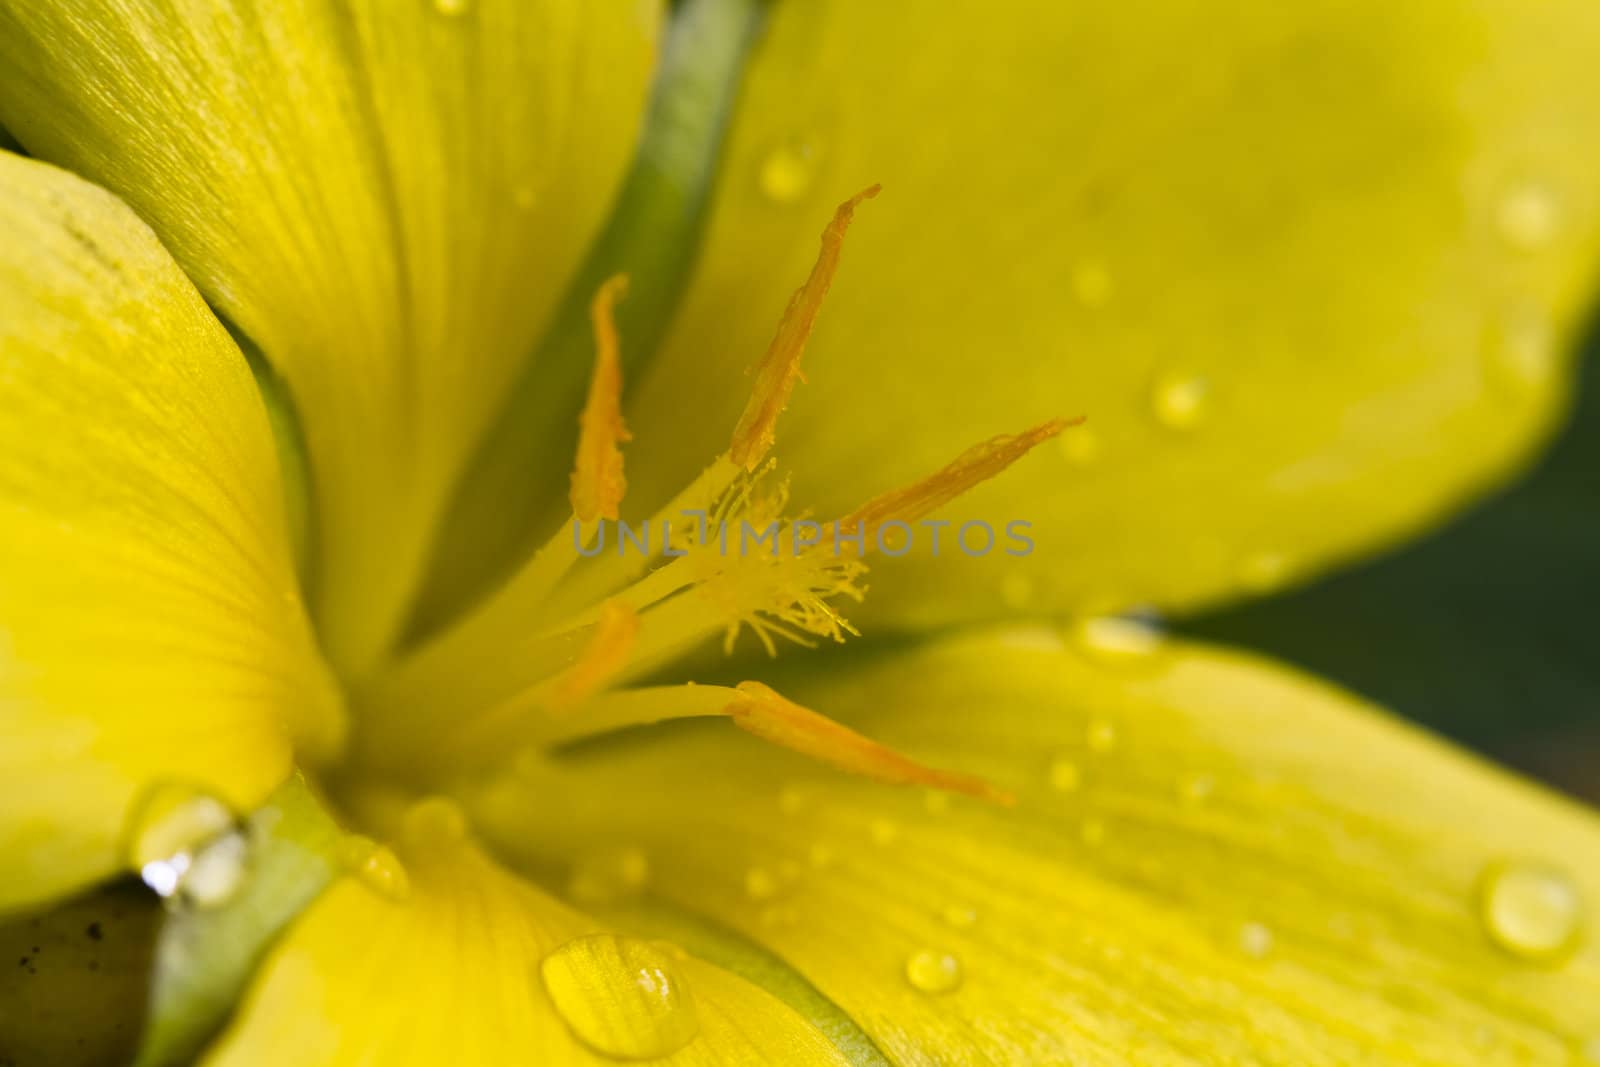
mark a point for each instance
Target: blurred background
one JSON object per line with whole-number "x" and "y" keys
{"x": 1483, "y": 632}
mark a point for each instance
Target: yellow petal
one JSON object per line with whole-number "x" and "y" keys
{"x": 387, "y": 196}
{"x": 151, "y": 630}
{"x": 474, "y": 967}
{"x": 1311, "y": 283}
{"x": 1211, "y": 860}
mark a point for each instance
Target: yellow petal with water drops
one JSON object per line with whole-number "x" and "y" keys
{"x": 1211, "y": 860}
{"x": 1312, "y": 283}
{"x": 471, "y": 966}
{"x": 386, "y": 195}
{"x": 151, "y": 629}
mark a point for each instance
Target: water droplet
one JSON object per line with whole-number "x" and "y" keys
{"x": 1080, "y": 444}
{"x": 1521, "y": 354}
{"x": 452, "y": 8}
{"x": 217, "y": 871}
{"x": 375, "y": 865}
{"x": 959, "y": 916}
{"x": 884, "y": 831}
{"x": 1264, "y": 572}
{"x": 1194, "y": 789}
{"x": 436, "y": 819}
{"x": 789, "y": 169}
{"x": 1179, "y": 401}
{"x": 1064, "y": 774}
{"x": 1101, "y": 736}
{"x": 621, "y": 997}
{"x": 1528, "y": 215}
{"x": 1016, "y": 590}
{"x": 936, "y": 801}
{"x": 761, "y": 884}
{"x": 1091, "y": 283}
{"x": 609, "y": 875}
{"x": 933, "y": 972}
{"x": 1255, "y": 940}
{"x": 171, "y": 827}
{"x": 1531, "y": 911}
{"x": 1118, "y": 641}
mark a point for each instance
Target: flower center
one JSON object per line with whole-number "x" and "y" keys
{"x": 559, "y": 652}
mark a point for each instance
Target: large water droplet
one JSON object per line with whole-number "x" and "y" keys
{"x": 1531, "y": 911}
{"x": 435, "y": 820}
{"x": 933, "y": 972}
{"x": 1528, "y": 215}
{"x": 621, "y": 997}
{"x": 1118, "y": 641}
{"x": 1255, "y": 940}
{"x": 1080, "y": 444}
{"x": 1179, "y": 401}
{"x": 789, "y": 169}
{"x": 609, "y": 875}
{"x": 375, "y": 866}
{"x": 171, "y": 829}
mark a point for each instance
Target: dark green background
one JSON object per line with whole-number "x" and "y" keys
{"x": 1483, "y": 631}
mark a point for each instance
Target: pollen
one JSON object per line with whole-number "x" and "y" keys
{"x": 780, "y": 367}
{"x": 597, "y": 478}
{"x": 601, "y": 660}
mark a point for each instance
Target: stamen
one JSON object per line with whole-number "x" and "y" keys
{"x": 600, "y": 661}
{"x": 977, "y": 464}
{"x": 763, "y": 713}
{"x": 771, "y": 717}
{"x": 597, "y": 480}
{"x": 780, "y": 367}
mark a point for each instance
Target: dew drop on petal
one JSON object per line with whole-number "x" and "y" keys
{"x": 1179, "y": 401}
{"x": 933, "y": 972}
{"x": 621, "y": 997}
{"x": 169, "y": 828}
{"x": 436, "y": 819}
{"x": 1118, "y": 641}
{"x": 1255, "y": 940}
{"x": 1531, "y": 911}
{"x": 375, "y": 866}
{"x": 217, "y": 871}
{"x": 1528, "y": 215}
{"x": 788, "y": 170}
{"x": 1079, "y": 444}
{"x": 1064, "y": 775}
{"x": 609, "y": 875}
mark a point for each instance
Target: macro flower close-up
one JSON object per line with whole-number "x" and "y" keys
{"x": 586, "y": 531}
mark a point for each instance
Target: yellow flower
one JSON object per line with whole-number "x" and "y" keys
{"x": 1309, "y": 271}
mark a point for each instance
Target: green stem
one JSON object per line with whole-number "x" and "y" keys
{"x": 516, "y": 483}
